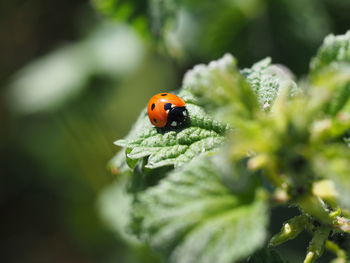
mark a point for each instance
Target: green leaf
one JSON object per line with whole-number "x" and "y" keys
{"x": 267, "y": 80}
{"x": 143, "y": 177}
{"x": 333, "y": 163}
{"x": 331, "y": 128}
{"x": 218, "y": 88}
{"x": 120, "y": 9}
{"x": 176, "y": 147}
{"x": 117, "y": 217}
{"x": 331, "y": 68}
{"x": 316, "y": 246}
{"x": 234, "y": 175}
{"x": 119, "y": 162}
{"x": 334, "y": 82}
{"x": 291, "y": 229}
{"x": 333, "y": 49}
{"x": 221, "y": 89}
{"x": 191, "y": 216}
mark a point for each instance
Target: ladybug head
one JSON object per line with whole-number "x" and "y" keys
{"x": 177, "y": 116}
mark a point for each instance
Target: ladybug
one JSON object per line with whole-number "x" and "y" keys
{"x": 167, "y": 110}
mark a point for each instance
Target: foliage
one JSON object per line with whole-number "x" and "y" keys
{"x": 191, "y": 211}
{"x": 192, "y": 30}
{"x": 256, "y": 125}
{"x": 176, "y": 147}
{"x": 71, "y": 68}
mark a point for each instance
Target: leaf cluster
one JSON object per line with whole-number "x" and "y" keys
{"x": 255, "y": 138}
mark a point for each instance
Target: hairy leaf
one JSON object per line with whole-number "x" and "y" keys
{"x": 331, "y": 68}
{"x": 267, "y": 80}
{"x": 192, "y": 216}
{"x": 333, "y": 81}
{"x": 119, "y": 163}
{"x": 333, "y": 49}
{"x": 176, "y": 147}
{"x": 221, "y": 89}
{"x": 212, "y": 87}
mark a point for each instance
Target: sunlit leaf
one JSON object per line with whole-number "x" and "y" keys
{"x": 267, "y": 80}
{"x": 331, "y": 87}
{"x": 221, "y": 89}
{"x": 333, "y": 163}
{"x": 192, "y": 216}
{"x": 176, "y": 147}
{"x": 333, "y": 49}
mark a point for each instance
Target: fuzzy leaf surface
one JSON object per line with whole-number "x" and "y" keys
{"x": 331, "y": 67}
{"x": 217, "y": 88}
{"x": 334, "y": 80}
{"x": 191, "y": 216}
{"x": 333, "y": 49}
{"x": 221, "y": 89}
{"x": 267, "y": 80}
{"x": 119, "y": 162}
{"x": 176, "y": 147}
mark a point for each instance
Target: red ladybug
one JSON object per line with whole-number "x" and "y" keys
{"x": 166, "y": 110}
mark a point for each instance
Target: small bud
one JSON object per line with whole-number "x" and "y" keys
{"x": 290, "y": 230}
{"x": 280, "y": 196}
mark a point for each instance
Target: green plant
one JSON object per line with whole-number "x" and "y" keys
{"x": 194, "y": 31}
{"x": 256, "y": 139}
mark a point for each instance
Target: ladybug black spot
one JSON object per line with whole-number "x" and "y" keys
{"x": 167, "y": 106}
{"x": 153, "y": 106}
{"x": 163, "y": 94}
{"x": 155, "y": 120}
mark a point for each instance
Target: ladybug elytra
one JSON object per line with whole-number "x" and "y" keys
{"x": 166, "y": 110}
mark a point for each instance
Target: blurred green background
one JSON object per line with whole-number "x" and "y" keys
{"x": 73, "y": 77}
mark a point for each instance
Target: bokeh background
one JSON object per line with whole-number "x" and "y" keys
{"x": 74, "y": 75}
